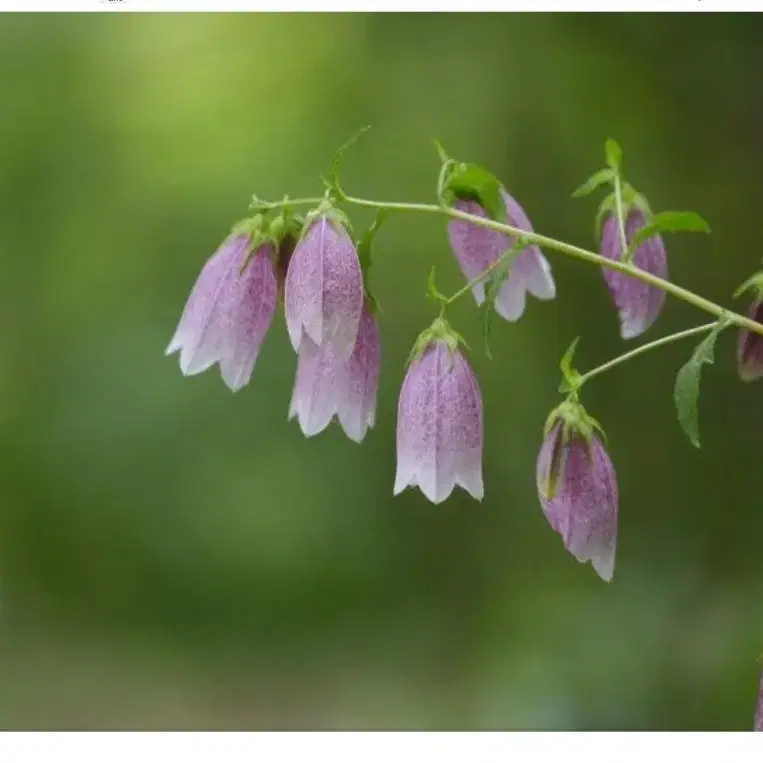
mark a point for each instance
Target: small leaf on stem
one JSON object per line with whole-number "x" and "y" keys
{"x": 470, "y": 181}
{"x": 686, "y": 391}
{"x": 669, "y": 222}
{"x": 614, "y": 155}
{"x": 599, "y": 178}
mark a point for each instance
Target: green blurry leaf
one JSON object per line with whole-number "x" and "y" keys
{"x": 595, "y": 181}
{"x": 686, "y": 391}
{"x": 614, "y": 155}
{"x": 670, "y": 222}
{"x": 469, "y": 181}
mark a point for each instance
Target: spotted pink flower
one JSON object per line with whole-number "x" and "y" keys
{"x": 638, "y": 303}
{"x": 323, "y": 294}
{"x": 477, "y": 248}
{"x": 228, "y": 312}
{"x": 327, "y": 386}
{"x": 439, "y": 425}
{"x": 577, "y": 488}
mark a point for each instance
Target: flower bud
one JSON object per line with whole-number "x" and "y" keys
{"x": 577, "y": 488}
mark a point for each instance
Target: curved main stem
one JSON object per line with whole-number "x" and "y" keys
{"x": 548, "y": 243}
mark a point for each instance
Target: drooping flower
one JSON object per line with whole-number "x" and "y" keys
{"x": 323, "y": 294}
{"x": 477, "y": 248}
{"x": 638, "y": 303}
{"x": 326, "y": 385}
{"x": 228, "y": 312}
{"x": 356, "y": 407}
{"x": 759, "y": 706}
{"x": 577, "y": 488}
{"x": 439, "y": 425}
{"x": 750, "y": 346}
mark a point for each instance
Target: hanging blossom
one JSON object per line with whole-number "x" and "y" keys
{"x": 577, "y": 488}
{"x": 439, "y": 421}
{"x": 637, "y": 303}
{"x": 229, "y": 311}
{"x": 750, "y": 345}
{"x": 477, "y": 248}
{"x": 323, "y": 294}
{"x": 328, "y": 386}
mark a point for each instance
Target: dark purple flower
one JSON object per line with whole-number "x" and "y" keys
{"x": 228, "y": 312}
{"x": 477, "y": 248}
{"x": 577, "y": 488}
{"x": 439, "y": 425}
{"x": 759, "y": 706}
{"x": 750, "y": 346}
{"x": 323, "y": 294}
{"x": 638, "y": 303}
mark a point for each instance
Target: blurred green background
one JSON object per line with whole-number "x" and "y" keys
{"x": 174, "y": 556}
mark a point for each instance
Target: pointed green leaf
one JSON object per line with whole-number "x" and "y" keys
{"x": 670, "y": 222}
{"x": 614, "y": 155}
{"x": 470, "y": 181}
{"x": 753, "y": 282}
{"x": 595, "y": 181}
{"x": 333, "y": 182}
{"x": 686, "y": 391}
{"x": 441, "y": 152}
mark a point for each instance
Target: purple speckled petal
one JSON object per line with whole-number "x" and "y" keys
{"x": 476, "y": 249}
{"x": 759, "y": 707}
{"x": 249, "y": 308}
{"x": 584, "y": 508}
{"x": 356, "y": 406}
{"x": 750, "y": 346}
{"x": 198, "y": 335}
{"x": 638, "y": 303}
{"x": 323, "y": 295}
{"x": 440, "y": 426}
{"x": 313, "y": 401}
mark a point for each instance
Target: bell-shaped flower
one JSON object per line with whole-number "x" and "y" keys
{"x": 750, "y": 346}
{"x": 477, "y": 248}
{"x": 759, "y": 706}
{"x": 323, "y": 293}
{"x": 439, "y": 424}
{"x": 637, "y": 303}
{"x": 229, "y": 311}
{"x": 577, "y": 488}
{"x": 326, "y": 385}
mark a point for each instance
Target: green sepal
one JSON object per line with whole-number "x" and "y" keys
{"x": 470, "y": 182}
{"x": 570, "y": 376}
{"x": 440, "y": 329}
{"x": 574, "y": 422}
